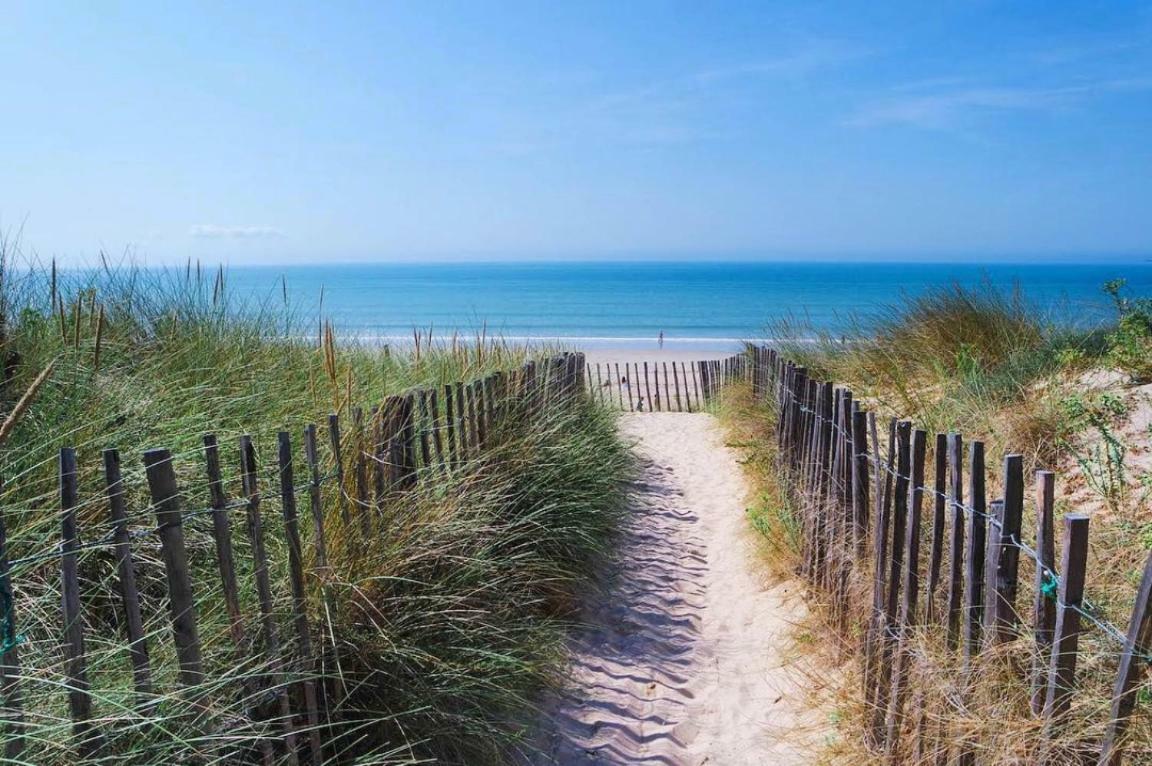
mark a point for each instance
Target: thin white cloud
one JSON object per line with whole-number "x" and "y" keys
{"x": 684, "y": 108}
{"x": 815, "y": 56}
{"x": 1088, "y": 50}
{"x": 946, "y": 108}
{"x": 216, "y": 231}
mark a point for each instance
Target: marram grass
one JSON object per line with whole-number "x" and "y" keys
{"x": 435, "y": 625}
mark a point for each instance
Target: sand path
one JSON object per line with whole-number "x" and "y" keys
{"x": 685, "y": 656}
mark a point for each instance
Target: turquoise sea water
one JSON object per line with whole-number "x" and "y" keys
{"x": 695, "y": 305}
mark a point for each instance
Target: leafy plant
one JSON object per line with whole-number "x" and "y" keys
{"x": 1130, "y": 344}
{"x": 1102, "y": 465}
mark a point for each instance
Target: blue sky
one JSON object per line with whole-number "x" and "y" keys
{"x": 280, "y": 132}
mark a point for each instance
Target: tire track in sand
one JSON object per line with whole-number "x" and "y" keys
{"x": 683, "y": 657}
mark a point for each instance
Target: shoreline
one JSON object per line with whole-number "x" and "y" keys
{"x": 596, "y": 356}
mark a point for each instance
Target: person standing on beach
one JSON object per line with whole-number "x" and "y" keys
{"x": 660, "y": 341}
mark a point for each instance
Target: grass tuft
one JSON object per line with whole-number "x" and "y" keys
{"x": 435, "y": 624}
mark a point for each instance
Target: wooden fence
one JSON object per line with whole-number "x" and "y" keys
{"x": 863, "y": 518}
{"x": 663, "y": 386}
{"x": 358, "y": 466}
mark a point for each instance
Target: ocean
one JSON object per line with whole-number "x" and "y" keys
{"x": 698, "y": 306}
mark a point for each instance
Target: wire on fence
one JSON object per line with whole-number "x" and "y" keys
{"x": 1087, "y": 609}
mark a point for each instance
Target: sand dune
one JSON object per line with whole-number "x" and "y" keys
{"x": 685, "y": 656}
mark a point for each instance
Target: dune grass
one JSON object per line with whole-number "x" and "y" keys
{"x": 990, "y": 365}
{"x": 436, "y": 623}
{"x": 958, "y": 359}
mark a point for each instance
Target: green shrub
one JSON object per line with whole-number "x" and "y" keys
{"x": 1130, "y": 344}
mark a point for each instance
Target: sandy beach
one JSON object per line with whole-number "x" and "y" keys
{"x": 684, "y": 658}
{"x": 653, "y": 354}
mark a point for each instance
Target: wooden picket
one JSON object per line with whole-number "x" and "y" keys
{"x": 974, "y": 550}
{"x": 406, "y": 440}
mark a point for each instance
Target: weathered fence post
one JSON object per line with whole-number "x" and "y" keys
{"x": 363, "y": 504}
{"x": 425, "y": 437}
{"x": 166, "y": 501}
{"x": 450, "y": 424}
{"x": 1004, "y": 566}
{"x": 336, "y": 445}
{"x": 269, "y": 631}
{"x": 939, "y": 516}
{"x": 860, "y": 478}
{"x": 1043, "y": 605}
{"x": 1133, "y": 666}
{"x": 126, "y": 572}
{"x": 299, "y": 594}
{"x": 407, "y": 440}
{"x": 956, "y": 540}
{"x": 913, "y": 499}
{"x": 1066, "y": 639}
{"x": 889, "y": 632}
{"x": 75, "y": 667}
{"x": 977, "y": 545}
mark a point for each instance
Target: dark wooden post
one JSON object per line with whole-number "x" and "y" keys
{"x": 166, "y": 501}
{"x": 487, "y": 387}
{"x": 437, "y": 436}
{"x": 336, "y": 445}
{"x": 473, "y": 422}
{"x": 75, "y": 667}
{"x": 299, "y": 594}
{"x": 363, "y": 504}
{"x": 939, "y": 517}
{"x": 270, "y": 633}
{"x": 900, "y": 517}
{"x": 956, "y": 540}
{"x": 1004, "y": 567}
{"x": 808, "y": 454}
{"x": 464, "y": 405}
{"x": 222, "y": 539}
{"x": 450, "y": 422}
{"x": 619, "y": 384}
{"x": 529, "y": 390}
{"x": 126, "y": 571}
{"x": 860, "y": 480}
{"x": 421, "y": 416}
{"x": 482, "y": 412}
{"x": 887, "y": 648}
{"x": 1133, "y": 666}
{"x": 315, "y": 499}
{"x": 1066, "y": 639}
{"x": 826, "y": 416}
{"x": 382, "y": 426}
{"x": 653, "y": 404}
{"x": 911, "y": 574}
{"x": 977, "y": 545}
{"x": 1043, "y": 600}
{"x": 695, "y": 368}
{"x": 407, "y": 436}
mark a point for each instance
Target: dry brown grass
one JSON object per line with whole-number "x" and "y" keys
{"x": 985, "y": 367}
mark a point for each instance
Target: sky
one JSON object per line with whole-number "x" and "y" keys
{"x": 280, "y": 132}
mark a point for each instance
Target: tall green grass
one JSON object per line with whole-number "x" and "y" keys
{"x": 435, "y": 629}
{"x": 956, "y": 358}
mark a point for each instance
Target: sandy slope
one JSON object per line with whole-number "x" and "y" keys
{"x": 686, "y": 655}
